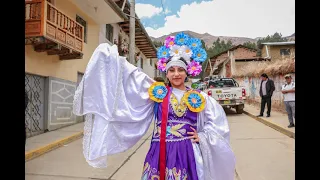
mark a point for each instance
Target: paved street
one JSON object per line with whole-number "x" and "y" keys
{"x": 262, "y": 154}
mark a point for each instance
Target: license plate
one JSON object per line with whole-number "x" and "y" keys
{"x": 227, "y": 102}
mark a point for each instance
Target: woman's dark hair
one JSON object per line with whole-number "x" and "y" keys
{"x": 183, "y": 60}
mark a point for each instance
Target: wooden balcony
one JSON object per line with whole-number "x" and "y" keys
{"x": 50, "y": 30}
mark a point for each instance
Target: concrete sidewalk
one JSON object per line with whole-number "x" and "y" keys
{"x": 278, "y": 121}
{"x": 43, "y": 143}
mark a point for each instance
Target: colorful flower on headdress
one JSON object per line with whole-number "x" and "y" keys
{"x": 194, "y": 68}
{"x": 194, "y": 43}
{"x": 186, "y": 52}
{"x": 161, "y": 64}
{"x": 163, "y": 52}
{"x": 181, "y": 39}
{"x": 157, "y": 91}
{"x": 169, "y": 42}
{"x": 181, "y": 45}
{"x": 175, "y": 51}
{"x": 195, "y": 101}
{"x": 199, "y": 55}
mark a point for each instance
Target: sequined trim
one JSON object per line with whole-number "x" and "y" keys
{"x": 171, "y": 140}
{"x": 178, "y": 121}
{"x": 150, "y": 173}
{"x": 178, "y": 108}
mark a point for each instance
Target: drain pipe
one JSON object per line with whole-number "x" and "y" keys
{"x": 267, "y": 52}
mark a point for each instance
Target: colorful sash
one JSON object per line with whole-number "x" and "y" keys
{"x": 164, "y": 119}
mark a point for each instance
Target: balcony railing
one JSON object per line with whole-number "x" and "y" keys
{"x": 42, "y": 19}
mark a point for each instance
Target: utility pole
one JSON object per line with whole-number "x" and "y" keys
{"x": 132, "y": 32}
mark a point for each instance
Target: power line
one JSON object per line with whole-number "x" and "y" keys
{"x": 164, "y": 11}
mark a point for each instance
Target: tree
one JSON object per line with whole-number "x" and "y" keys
{"x": 218, "y": 47}
{"x": 251, "y": 45}
{"x": 204, "y": 64}
{"x": 229, "y": 44}
{"x": 203, "y": 44}
{"x": 157, "y": 44}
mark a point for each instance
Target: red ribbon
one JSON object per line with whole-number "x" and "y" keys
{"x": 164, "y": 119}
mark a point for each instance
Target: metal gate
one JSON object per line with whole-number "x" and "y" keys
{"x": 34, "y": 114}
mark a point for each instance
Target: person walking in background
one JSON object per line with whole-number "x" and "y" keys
{"x": 266, "y": 90}
{"x": 26, "y": 101}
{"x": 288, "y": 91}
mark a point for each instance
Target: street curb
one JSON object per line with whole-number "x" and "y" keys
{"x": 237, "y": 176}
{"x": 51, "y": 146}
{"x": 272, "y": 125}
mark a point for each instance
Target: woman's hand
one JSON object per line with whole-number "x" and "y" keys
{"x": 194, "y": 136}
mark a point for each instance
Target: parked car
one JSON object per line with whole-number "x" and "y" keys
{"x": 202, "y": 86}
{"x": 199, "y": 85}
{"x": 227, "y": 92}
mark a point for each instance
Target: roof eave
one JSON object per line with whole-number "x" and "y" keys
{"x": 116, "y": 8}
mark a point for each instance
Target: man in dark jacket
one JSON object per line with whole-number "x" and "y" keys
{"x": 26, "y": 101}
{"x": 266, "y": 90}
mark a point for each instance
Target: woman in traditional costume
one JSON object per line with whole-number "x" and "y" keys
{"x": 190, "y": 140}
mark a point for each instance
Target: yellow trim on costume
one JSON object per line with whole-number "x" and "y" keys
{"x": 178, "y": 108}
{"x": 150, "y": 91}
{"x": 191, "y": 108}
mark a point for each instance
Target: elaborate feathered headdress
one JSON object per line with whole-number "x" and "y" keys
{"x": 182, "y": 46}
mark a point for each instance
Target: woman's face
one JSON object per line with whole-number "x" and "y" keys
{"x": 176, "y": 75}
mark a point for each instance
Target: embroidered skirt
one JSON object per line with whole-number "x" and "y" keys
{"x": 180, "y": 161}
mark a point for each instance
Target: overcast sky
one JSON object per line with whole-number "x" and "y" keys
{"x": 240, "y": 18}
